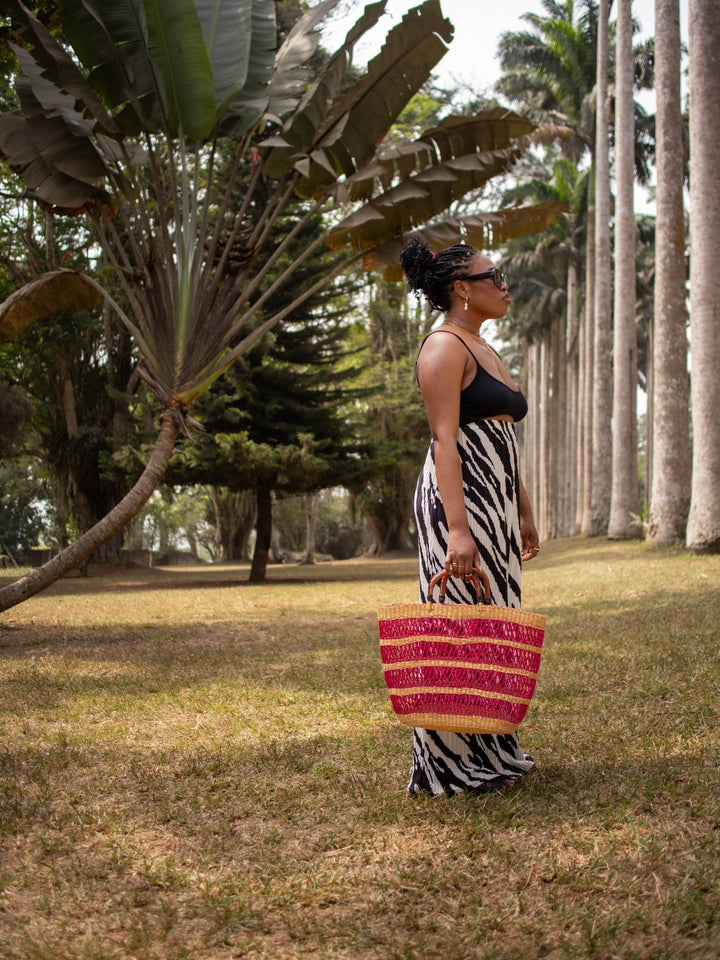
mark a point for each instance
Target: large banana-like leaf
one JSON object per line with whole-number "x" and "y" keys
{"x": 48, "y": 184}
{"x": 59, "y": 291}
{"x": 49, "y": 146}
{"x": 52, "y": 120}
{"x": 480, "y": 230}
{"x": 456, "y": 136}
{"x": 445, "y": 164}
{"x": 227, "y": 29}
{"x": 489, "y": 130}
{"x": 243, "y": 112}
{"x": 177, "y": 45}
{"x": 152, "y": 55}
{"x": 299, "y": 130}
{"x": 110, "y": 39}
{"x": 289, "y": 77}
{"x": 359, "y": 119}
{"x": 57, "y": 66}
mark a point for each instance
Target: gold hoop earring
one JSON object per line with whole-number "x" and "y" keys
{"x": 466, "y": 304}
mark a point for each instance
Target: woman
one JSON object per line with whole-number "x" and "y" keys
{"x": 470, "y": 505}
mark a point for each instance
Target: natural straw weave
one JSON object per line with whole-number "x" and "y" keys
{"x": 460, "y": 668}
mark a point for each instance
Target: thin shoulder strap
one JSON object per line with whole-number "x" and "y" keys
{"x": 477, "y": 364}
{"x": 457, "y": 337}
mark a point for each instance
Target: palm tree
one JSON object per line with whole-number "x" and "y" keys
{"x": 624, "y": 501}
{"x": 602, "y": 324}
{"x": 703, "y": 531}
{"x": 670, "y": 493}
{"x": 546, "y": 314}
{"x": 127, "y": 130}
{"x": 552, "y": 71}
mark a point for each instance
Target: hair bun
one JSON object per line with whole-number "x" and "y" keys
{"x": 416, "y": 260}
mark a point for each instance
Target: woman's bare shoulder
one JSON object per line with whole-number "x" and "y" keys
{"x": 441, "y": 342}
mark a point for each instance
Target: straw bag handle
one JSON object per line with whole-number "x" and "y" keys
{"x": 478, "y": 576}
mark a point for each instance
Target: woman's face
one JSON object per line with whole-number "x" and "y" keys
{"x": 484, "y": 297}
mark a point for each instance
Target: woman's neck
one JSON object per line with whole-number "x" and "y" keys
{"x": 468, "y": 327}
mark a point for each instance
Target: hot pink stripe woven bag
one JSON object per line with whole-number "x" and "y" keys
{"x": 459, "y": 667}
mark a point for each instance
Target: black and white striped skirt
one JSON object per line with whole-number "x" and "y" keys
{"x": 454, "y": 762}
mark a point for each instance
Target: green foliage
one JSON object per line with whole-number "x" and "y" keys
{"x": 15, "y": 414}
{"x": 177, "y": 521}
{"x": 550, "y": 69}
{"x": 76, "y": 376}
{"x": 282, "y": 416}
{"x": 22, "y": 519}
{"x": 395, "y": 424}
{"x": 338, "y": 535}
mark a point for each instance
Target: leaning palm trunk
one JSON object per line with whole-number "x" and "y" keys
{"x": 703, "y": 531}
{"x": 103, "y": 531}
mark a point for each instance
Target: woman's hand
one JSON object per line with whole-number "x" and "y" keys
{"x": 530, "y": 541}
{"x": 462, "y": 555}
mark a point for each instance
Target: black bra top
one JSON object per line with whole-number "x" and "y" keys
{"x": 486, "y": 396}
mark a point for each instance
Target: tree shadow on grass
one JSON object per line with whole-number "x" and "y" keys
{"x": 117, "y": 578}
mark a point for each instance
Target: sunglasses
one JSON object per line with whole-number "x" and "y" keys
{"x": 497, "y": 277}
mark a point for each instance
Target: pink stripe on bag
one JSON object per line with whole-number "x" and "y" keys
{"x": 468, "y": 628}
{"x": 426, "y": 648}
{"x": 512, "y": 684}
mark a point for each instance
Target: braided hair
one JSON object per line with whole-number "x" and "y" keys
{"x": 431, "y": 273}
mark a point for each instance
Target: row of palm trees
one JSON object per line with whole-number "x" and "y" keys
{"x": 577, "y": 290}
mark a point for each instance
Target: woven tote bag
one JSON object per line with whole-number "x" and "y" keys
{"x": 460, "y": 667}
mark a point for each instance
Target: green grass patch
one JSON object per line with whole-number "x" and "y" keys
{"x": 194, "y": 767}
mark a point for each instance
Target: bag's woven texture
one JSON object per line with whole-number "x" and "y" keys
{"x": 461, "y": 668}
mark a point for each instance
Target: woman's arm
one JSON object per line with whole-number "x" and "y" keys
{"x": 441, "y": 367}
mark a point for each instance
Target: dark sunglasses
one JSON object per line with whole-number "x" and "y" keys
{"x": 497, "y": 277}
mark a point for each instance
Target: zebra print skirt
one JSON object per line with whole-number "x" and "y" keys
{"x": 452, "y": 762}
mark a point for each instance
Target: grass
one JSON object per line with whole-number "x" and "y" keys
{"x": 193, "y": 767}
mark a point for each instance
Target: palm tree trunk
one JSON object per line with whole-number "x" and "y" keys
{"x": 602, "y": 366}
{"x": 703, "y": 532}
{"x": 119, "y": 517}
{"x": 649, "y": 418}
{"x": 588, "y": 366}
{"x": 557, "y": 416}
{"x": 528, "y": 432}
{"x": 670, "y": 495}
{"x": 572, "y": 425}
{"x": 544, "y": 526}
{"x": 581, "y": 413}
{"x": 624, "y": 502}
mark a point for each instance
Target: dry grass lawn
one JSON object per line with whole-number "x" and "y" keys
{"x": 193, "y": 767}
